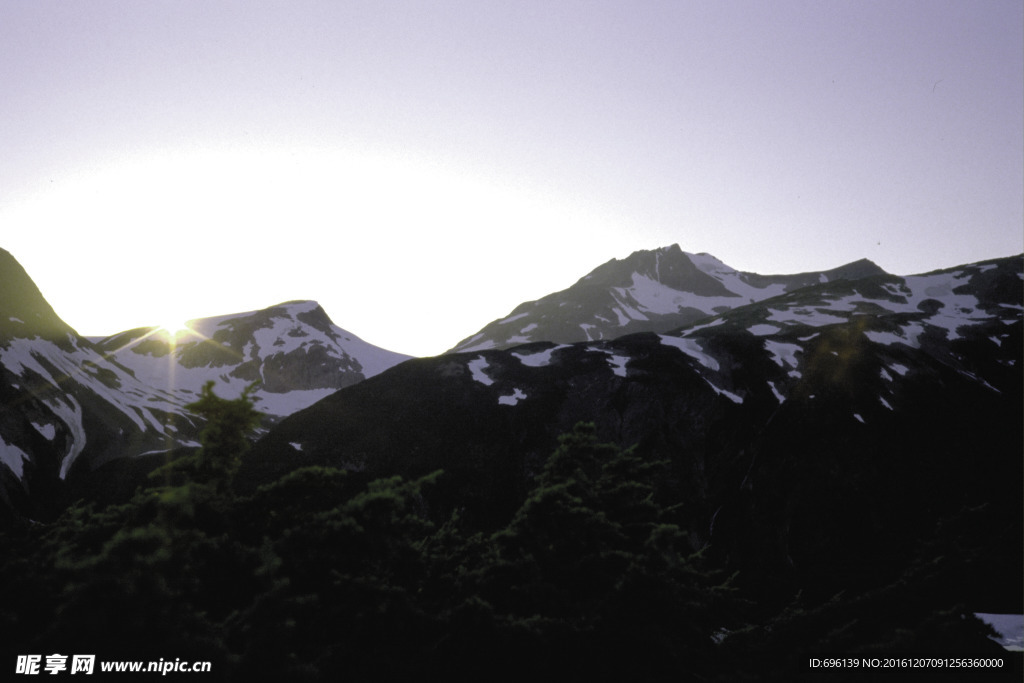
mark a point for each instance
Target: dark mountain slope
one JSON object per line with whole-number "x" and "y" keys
{"x": 23, "y": 310}
{"x": 816, "y": 439}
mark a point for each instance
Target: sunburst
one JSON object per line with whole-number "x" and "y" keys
{"x": 175, "y": 330}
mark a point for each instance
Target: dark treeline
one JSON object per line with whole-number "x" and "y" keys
{"x": 324, "y": 574}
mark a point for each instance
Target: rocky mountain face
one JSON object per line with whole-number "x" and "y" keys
{"x": 74, "y": 406}
{"x": 815, "y": 437}
{"x": 649, "y": 291}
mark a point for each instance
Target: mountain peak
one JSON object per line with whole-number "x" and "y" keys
{"x": 710, "y": 264}
{"x": 855, "y": 270}
{"x": 293, "y": 349}
{"x": 26, "y": 313}
{"x": 651, "y": 290}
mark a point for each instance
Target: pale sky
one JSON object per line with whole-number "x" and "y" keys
{"x": 420, "y": 168}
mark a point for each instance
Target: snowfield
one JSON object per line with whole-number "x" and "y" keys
{"x": 692, "y": 348}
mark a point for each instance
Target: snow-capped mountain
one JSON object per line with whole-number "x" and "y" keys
{"x": 964, "y": 322}
{"x": 649, "y": 291}
{"x": 65, "y": 402}
{"x": 72, "y": 405}
{"x": 293, "y": 350}
{"x": 814, "y": 436}
{"x": 967, "y": 318}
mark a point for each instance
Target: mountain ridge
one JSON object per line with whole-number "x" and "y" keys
{"x": 23, "y": 309}
{"x": 648, "y": 291}
{"x": 74, "y": 404}
{"x": 81, "y": 403}
{"x": 813, "y": 436}
{"x": 289, "y": 347}
{"x": 847, "y": 449}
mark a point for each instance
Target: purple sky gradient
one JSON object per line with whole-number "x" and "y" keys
{"x": 422, "y": 167}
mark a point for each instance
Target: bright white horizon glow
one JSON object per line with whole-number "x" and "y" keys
{"x": 421, "y": 169}
{"x": 199, "y": 234}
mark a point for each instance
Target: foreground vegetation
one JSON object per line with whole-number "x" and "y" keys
{"x": 325, "y": 574}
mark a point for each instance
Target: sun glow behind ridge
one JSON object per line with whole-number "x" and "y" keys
{"x": 236, "y": 229}
{"x": 175, "y": 330}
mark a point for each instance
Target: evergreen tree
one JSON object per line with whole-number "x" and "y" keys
{"x": 591, "y": 578}
{"x": 224, "y": 439}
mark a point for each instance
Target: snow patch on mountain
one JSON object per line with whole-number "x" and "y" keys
{"x": 511, "y": 318}
{"x": 539, "y": 359}
{"x": 84, "y": 365}
{"x": 707, "y": 263}
{"x": 617, "y": 363}
{"x": 24, "y": 354}
{"x": 652, "y": 296}
{"x": 48, "y": 431}
{"x": 646, "y": 293}
{"x": 692, "y": 348}
{"x": 911, "y": 332}
{"x": 1010, "y": 628}
{"x": 166, "y": 374}
{"x": 70, "y": 414}
{"x": 703, "y": 326}
{"x": 13, "y": 457}
{"x": 620, "y": 316}
{"x": 783, "y": 353}
{"x": 722, "y": 392}
{"x": 513, "y": 398}
{"x": 468, "y": 346}
{"x": 763, "y": 330}
{"x": 476, "y": 369}
{"x": 887, "y": 338}
{"x": 908, "y": 335}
